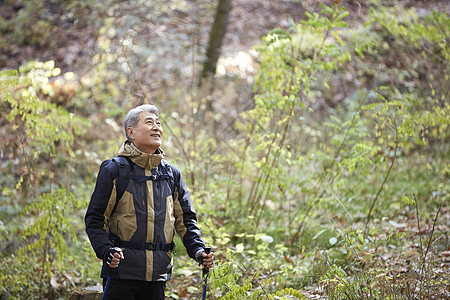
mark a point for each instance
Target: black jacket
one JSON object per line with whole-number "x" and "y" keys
{"x": 146, "y": 216}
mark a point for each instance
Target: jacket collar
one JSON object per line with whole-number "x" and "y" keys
{"x": 142, "y": 159}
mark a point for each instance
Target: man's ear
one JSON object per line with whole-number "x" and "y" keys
{"x": 130, "y": 132}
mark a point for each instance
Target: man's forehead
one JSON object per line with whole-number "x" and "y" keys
{"x": 147, "y": 115}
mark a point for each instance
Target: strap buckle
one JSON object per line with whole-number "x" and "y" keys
{"x": 150, "y": 246}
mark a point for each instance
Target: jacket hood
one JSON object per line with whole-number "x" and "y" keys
{"x": 142, "y": 159}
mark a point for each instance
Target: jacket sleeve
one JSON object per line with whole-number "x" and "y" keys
{"x": 95, "y": 214}
{"x": 185, "y": 217}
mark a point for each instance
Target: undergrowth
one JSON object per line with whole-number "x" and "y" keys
{"x": 346, "y": 204}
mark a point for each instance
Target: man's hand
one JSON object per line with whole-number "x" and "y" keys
{"x": 113, "y": 257}
{"x": 208, "y": 259}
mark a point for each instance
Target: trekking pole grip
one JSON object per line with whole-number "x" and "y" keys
{"x": 207, "y": 251}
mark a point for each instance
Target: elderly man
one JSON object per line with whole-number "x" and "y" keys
{"x": 139, "y": 201}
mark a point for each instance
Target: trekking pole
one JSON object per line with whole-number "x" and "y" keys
{"x": 205, "y": 273}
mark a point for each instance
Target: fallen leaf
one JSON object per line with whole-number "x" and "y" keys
{"x": 445, "y": 253}
{"x": 387, "y": 256}
{"x": 54, "y": 283}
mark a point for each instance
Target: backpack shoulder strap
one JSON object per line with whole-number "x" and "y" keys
{"x": 125, "y": 166}
{"x": 168, "y": 170}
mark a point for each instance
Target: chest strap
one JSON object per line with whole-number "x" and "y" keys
{"x": 140, "y": 178}
{"x": 146, "y": 246}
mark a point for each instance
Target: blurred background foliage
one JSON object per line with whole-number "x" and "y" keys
{"x": 318, "y": 159}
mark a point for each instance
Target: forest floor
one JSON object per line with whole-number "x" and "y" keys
{"x": 394, "y": 252}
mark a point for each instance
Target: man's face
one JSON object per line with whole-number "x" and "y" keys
{"x": 148, "y": 134}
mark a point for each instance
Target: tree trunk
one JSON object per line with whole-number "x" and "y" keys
{"x": 206, "y": 114}
{"x": 216, "y": 36}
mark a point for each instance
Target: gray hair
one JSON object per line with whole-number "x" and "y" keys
{"x": 132, "y": 118}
